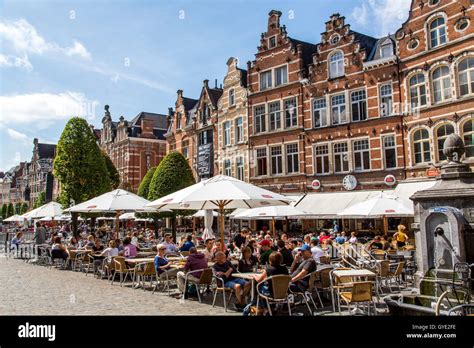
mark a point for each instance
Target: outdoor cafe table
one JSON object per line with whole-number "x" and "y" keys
{"x": 139, "y": 260}
{"x": 248, "y": 276}
{"x": 143, "y": 254}
{"x": 355, "y": 274}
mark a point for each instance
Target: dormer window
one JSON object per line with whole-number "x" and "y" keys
{"x": 386, "y": 50}
{"x": 437, "y": 29}
{"x": 336, "y": 65}
{"x": 272, "y": 42}
{"x": 231, "y": 97}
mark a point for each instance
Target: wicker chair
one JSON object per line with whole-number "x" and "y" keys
{"x": 144, "y": 270}
{"x": 204, "y": 281}
{"x": 280, "y": 287}
{"x": 383, "y": 273}
{"x": 361, "y": 292}
{"x": 122, "y": 269}
{"x": 325, "y": 260}
{"x": 308, "y": 293}
{"x": 184, "y": 253}
{"x": 378, "y": 254}
{"x": 397, "y": 274}
{"x": 339, "y": 284}
{"x": 323, "y": 282}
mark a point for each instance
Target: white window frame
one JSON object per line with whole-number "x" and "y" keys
{"x": 336, "y": 68}
{"x": 326, "y": 171}
{"x": 231, "y": 97}
{"x": 270, "y": 46}
{"x": 422, "y": 143}
{"x": 361, "y": 105}
{"x": 274, "y": 114}
{"x": 417, "y": 88}
{"x": 294, "y": 118}
{"x": 439, "y": 147}
{"x": 295, "y": 158}
{"x": 321, "y": 111}
{"x": 361, "y": 152}
{"x": 438, "y": 32}
{"x": 265, "y": 157}
{"x": 268, "y": 81}
{"x": 284, "y": 80}
{"x": 240, "y": 168}
{"x": 465, "y": 134}
{"x": 382, "y": 95}
{"x": 469, "y": 76}
{"x": 386, "y": 147}
{"x": 342, "y": 106}
{"x": 226, "y": 134}
{"x": 278, "y": 169}
{"x": 227, "y": 167}
{"x": 261, "y": 117}
{"x": 344, "y": 158}
{"x": 239, "y": 130}
{"x": 438, "y": 84}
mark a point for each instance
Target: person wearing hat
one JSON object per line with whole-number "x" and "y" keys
{"x": 400, "y": 236}
{"x": 265, "y": 251}
{"x": 303, "y": 265}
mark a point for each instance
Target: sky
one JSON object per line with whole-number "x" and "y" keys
{"x": 60, "y": 59}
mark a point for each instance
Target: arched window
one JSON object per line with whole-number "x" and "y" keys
{"x": 437, "y": 32}
{"x": 421, "y": 146}
{"x": 466, "y": 77}
{"x": 468, "y": 136}
{"x": 336, "y": 65}
{"x": 441, "y": 134}
{"x": 417, "y": 91}
{"x": 441, "y": 84}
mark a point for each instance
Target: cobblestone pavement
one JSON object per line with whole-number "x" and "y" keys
{"x": 28, "y": 289}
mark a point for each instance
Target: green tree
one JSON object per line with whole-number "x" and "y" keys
{"x": 172, "y": 174}
{"x": 18, "y": 208}
{"x": 10, "y": 210}
{"x": 79, "y": 165}
{"x": 144, "y": 187}
{"x": 24, "y": 208}
{"x": 4, "y": 211}
{"x": 114, "y": 177}
{"x": 40, "y": 200}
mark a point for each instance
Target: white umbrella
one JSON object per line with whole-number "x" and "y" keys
{"x": 208, "y": 220}
{"x": 382, "y": 206}
{"x": 15, "y": 218}
{"x": 49, "y": 209}
{"x": 220, "y": 192}
{"x": 127, "y": 216}
{"x": 202, "y": 213}
{"x": 271, "y": 213}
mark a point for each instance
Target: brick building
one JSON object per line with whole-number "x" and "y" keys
{"x": 233, "y": 133}
{"x": 436, "y": 50}
{"x": 276, "y": 99}
{"x": 134, "y": 146}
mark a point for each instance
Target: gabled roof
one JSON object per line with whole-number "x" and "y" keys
{"x": 46, "y": 151}
{"x": 189, "y": 103}
{"x": 214, "y": 95}
{"x": 366, "y": 42}
{"x": 308, "y": 50}
{"x": 159, "y": 120}
{"x": 375, "y": 53}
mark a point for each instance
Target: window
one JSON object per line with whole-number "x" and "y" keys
{"x": 433, "y": 2}
{"x": 261, "y": 161}
{"x": 441, "y": 84}
{"x": 417, "y": 91}
{"x": 265, "y": 80}
{"x": 292, "y": 162}
{"x": 178, "y": 121}
{"x": 468, "y": 136}
{"x": 231, "y": 97}
{"x": 205, "y": 137}
{"x": 272, "y": 42}
{"x": 437, "y": 32}
{"x": 240, "y": 168}
{"x": 421, "y": 146}
{"x": 386, "y": 50}
{"x": 338, "y": 109}
{"x": 239, "y": 130}
{"x": 321, "y": 154}
{"x": 390, "y": 152}
{"x": 441, "y": 134}
{"x": 227, "y": 167}
{"x": 413, "y": 44}
{"x": 281, "y": 75}
{"x": 341, "y": 158}
{"x": 275, "y": 115}
{"x": 226, "y": 133}
{"x": 334, "y": 39}
{"x": 336, "y": 65}
{"x": 277, "y": 160}
{"x": 185, "y": 148}
{"x": 260, "y": 124}
{"x": 291, "y": 119}
{"x": 462, "y": 24}
{"x": 319, "y": 113}
{"x": 466, "y": 77}
{"x": 361, "y": 155}
{"x": 359, "y": 105}
{"x": 386, "y": 100}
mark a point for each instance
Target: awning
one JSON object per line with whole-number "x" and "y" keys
{"x": 327, "y": 205}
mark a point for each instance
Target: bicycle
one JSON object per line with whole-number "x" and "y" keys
{"x": 456, "y": 300}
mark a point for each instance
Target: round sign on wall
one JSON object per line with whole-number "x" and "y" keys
{"x": 390, "y": 180}
{"x": 349, "y": 182}
{"x": 316, "y": 184}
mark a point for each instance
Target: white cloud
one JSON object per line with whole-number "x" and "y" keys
{"x": 10, "y": 61}
{"x": 15, "y": 135}
{"x": 385, "y": 15}
{"x": 44, "y": 109}
{"x": 24, "y": 38}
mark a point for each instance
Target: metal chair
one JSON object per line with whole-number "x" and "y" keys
{"x": 144, "y": 270}
{"x": 221, "y": 288}
{"x": 122, "y": 269}
{"x": 280, "y": 287}
{"x": 361, "y": 292}
{"x": 308, "y": 293}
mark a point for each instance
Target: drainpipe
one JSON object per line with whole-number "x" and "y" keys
{"x": 400, "y": 100}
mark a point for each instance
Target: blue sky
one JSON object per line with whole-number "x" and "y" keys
{"x": 64, "y": 58}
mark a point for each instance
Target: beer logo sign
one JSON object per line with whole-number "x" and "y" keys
{"x": 316, "y": 184}
{"x": 390, "y": 180}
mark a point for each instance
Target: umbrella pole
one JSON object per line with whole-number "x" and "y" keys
{"x": 117, "y": 224}
{"x": 385, "y": 225}
{"x": 273, "y": 227}
{"x": 222, "y": 224}
{"x": 194, "y": 224}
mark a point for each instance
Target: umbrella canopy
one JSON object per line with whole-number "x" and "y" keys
{"x": 208, "y": 220}
{"x": 273, "y": 212}
{"x": 14, "y": 218}
{"x": 117, "y": 200}
{"x": 49, "y": 209}
{"x": 378, "y": 207}
{"x": 202, "y": 213}
{"x": 127, "y": 216}
{"x": 220, "y": 192}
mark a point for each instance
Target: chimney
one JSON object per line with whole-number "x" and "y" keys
{"x": 274, "y": 19}
{"x": 215, "y": 83}
{"x": 205, "y": 83}
{"x": 147, "y": 128}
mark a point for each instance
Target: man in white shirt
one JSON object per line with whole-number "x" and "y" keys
{"x": 209, "y": 243}
{"x": 316, "y": 250}
{"x": 170, "y": 246}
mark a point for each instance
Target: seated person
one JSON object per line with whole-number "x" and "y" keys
{"x": 129, "y": 250}
{"x": 316, "y": 250}
{"x": 273, "y": 268}
{"x": 375, "y": 244}
{"x": 90, "y": 242}
{"x": 285, "y": 253}
{"x": 73, "y": 244}
{"x": 168, "y": 243}
{"x": 247, "y": 262}
{"x": 162, "y": 264}
{"x": 303, "y": 265}
{"x": 196, "y": 261}
{"x": 223, "y": 269}
{"x": 188, "y": 243}
{"x": 97, "y": 245}
{"x": 265, "y": 251}
{"x": 58, "y": 251}
{"x": 17, "y": 240}
{"x": 208, "y": 252}
{"x": 353, "y": 239}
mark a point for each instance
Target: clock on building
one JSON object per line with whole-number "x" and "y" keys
{"x": 349, "y": 182}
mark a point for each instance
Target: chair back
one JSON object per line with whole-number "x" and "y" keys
{"x": 149, "y": 269}
{"x": 361, "y": 292}
{"x": 325, "y": 260}
{"x": 120, "y": 265}
{"x": 399, "y": 269}
{"x": 378, "y": 254}
{"x": 184, "y": 253}
{"x": 313, "y": 278}
{"x": 280, "y": 284}
{"x": 324, "y": 276}
{"x": 111, "y": 265}
{"x": 206, "y": 277}
{"x": 384, "y": 268}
